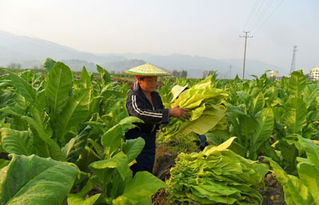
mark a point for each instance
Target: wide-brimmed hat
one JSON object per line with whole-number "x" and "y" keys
{"x": 146, "y": 70}
{"x": 177, "y": 90}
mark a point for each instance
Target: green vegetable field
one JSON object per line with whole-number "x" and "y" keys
{"x": 62, "y": 141}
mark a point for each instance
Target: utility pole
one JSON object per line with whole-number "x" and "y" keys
{"x": 244, "y": 63}
{"x": 293, "y": 60}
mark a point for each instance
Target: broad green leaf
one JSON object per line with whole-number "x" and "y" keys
{"x": 74, "y": 113}
{"x": 97, "y": 148}
{"x": 244, "y": 126}
{"x": 45, "y": 145}
{"x": 140, "y": 189}
{"x": 35, "y": 180}
{"x": 295, "y": 115}
{"x": 16, "y": 142}
{"x": 48, "y": 64}
{"x": 23, "y": 88}
{"x": 75, "y": 146}
{"x": 3, "y": 163}
{"x": 111, "y": 140}
{"x": 118, "y": 162}
{"x": 58, "y": 88}
{"x": 258, "y": 103}
{"x": 211, "y": 149}
{"x": 295, "y": 191}
{"x": 133, "y": 147}
{"x": 200, "y": 126}
{"x": 297, "y": 82}
{"x": 263, "y": 132}
{"x": 75, "y": 199}
{"x": 311, "y": 149}
{"x": 311, "y": 92}
{"x": 105, "y": 76}
{"x": 38, "y": 127}
{"x": 85, "y": 79}
{"x": 308, "y": 173}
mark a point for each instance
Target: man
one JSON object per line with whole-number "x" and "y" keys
{"x": 145, "y": 103}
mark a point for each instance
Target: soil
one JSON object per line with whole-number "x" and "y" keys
{"x": 272, "y": 193}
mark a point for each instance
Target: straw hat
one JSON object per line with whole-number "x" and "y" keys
{"x": 177, "y": 90}
{"x": 146, "y": 70}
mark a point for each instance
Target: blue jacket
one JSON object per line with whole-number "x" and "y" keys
{"x": 153, "y": 115}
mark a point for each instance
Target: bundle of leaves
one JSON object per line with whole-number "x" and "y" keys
{"x": 216, "y": 176}
{"x": 206, "y": 109}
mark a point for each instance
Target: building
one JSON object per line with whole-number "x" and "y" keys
{"x": 179, "y": 74}
{"x": 209, "y": 72}
{"x": 274, "y": 75}
{"x": 314, "y": 73}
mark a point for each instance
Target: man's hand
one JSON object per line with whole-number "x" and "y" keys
{"x": 179, "y": 112}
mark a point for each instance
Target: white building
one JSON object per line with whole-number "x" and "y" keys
{"x": 314, "y": 73}
{"x": 273, "y": 74}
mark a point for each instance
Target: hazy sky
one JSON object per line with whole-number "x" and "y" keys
{"x": 197, "y": 27}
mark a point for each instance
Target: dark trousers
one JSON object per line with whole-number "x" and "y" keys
{"x": 145, "y": 160}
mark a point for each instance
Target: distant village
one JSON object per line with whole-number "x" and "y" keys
{"x": 313, "y": 75}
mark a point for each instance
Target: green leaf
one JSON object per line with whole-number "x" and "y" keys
{"x": 23, "y": 88}
{"x": 76, "y": 145}
{"x": 105, "y": 76}
{"x": 200, "y": 126}
{"x": 16, "y": 142}
{"x": 85, "y": 79}
{"x": 35, "y": 180}
{"x": 3, "y": 163}
{"x": 133, "y": 147}
{"x": 310, "y": 94}
{"x": 309, "y": 175}
{"x": 74, "y": 113}
{"x": 295, "y": 191}
{"x": 212, "y": 149}
{"x": 295, "y": 116}
{"x": 140, "y": 189}
{"x": 45, "y": 145}
{"x": 296, "y": 84}
{"x": 48, "y": 64}
{"x": 263, "y": 132}
{"x": 118, "y": 162}
{"x": 311, "y": 149}
{"x": 258, "y": 103}
{"x": 75, "y": 199}
{"x": 58, "y": 88}
{"x": 111, "y": 140}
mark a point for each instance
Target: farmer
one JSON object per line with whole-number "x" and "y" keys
{"x": 176, "y": 91}
{"x": 145, "y": 103}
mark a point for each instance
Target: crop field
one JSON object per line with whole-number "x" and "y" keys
{"x": 62, "y": 141}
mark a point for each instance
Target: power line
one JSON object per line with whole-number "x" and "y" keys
{"x": 251, "y": 13}
{"x": 263, "y": 11}
{"x": 257, "y": 13}
{"x": 276, "y": 7}
{"x": 244, "y": 62}
{"x": 260, "y": 13}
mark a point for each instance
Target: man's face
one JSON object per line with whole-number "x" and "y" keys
{"x": 148, "y": 84}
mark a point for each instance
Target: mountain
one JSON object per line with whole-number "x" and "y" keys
{"x": 31, "y": 52}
